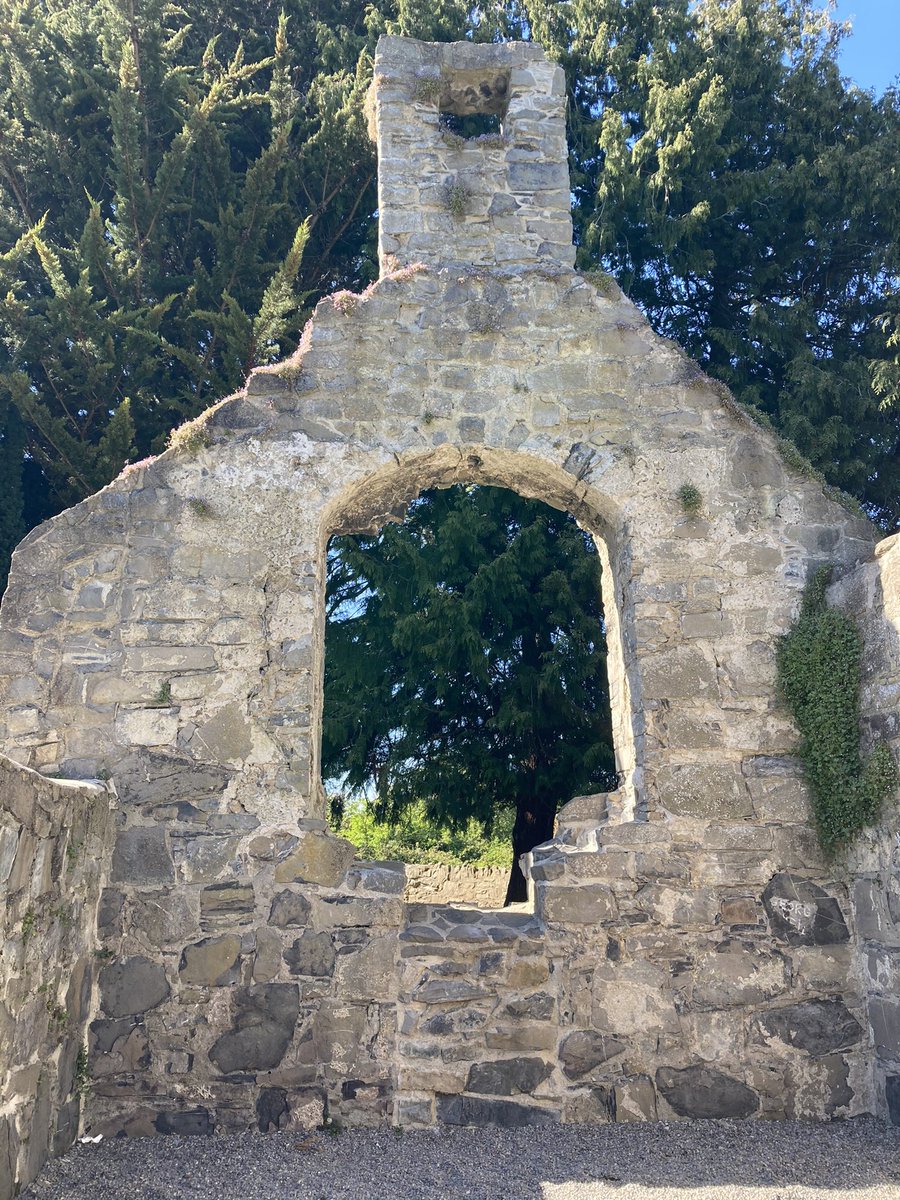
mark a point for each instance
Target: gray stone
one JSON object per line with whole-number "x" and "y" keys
{"x": 264, "y": 1017}
{"x": 289, "y": 908}
{"x": 540, "y": 1006}
{"x": 154, "y": 777}
{"x": 588, "y": 904}
{"x": 737, "y": 973}
{"x": 188, "y": 1122}
{"x": 118, "y": 1046}
{"x": 202, "y": 856}
{"x": 131, "y": 986}
{"x": 508, "y": 1077}
{"x": 708, "y": 790}
{"x": 164, "y": 917}
{"x": 802, "y": 913}
{"x": 389, "y": 878}
{"x": 705, "y": 1094}
{"x": 141, "y": 856}
{"x": 232, "y": 901}
{"x": 272, "y": 1109}
{"x": 320, "y": 858}
{"x": 583, "y": 1050}
{"x": 451, "y": 991}
{"x": 816, "y": 1026}
{"x": 311, "y": 954}
{"x": 502, "y": 1114}
{"x": 884, "y": 1017}
{"x": 212, "y": 961}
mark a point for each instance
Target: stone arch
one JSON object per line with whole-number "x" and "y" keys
{"x": 366, "y": 504}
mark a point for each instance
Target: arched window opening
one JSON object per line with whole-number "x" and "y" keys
{"x": 466, "y": 691}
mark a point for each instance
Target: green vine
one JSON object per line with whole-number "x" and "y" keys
{"x": 819, "y": 677}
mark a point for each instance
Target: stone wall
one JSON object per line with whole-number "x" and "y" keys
{"x": 871, "y": 595}
{"x": 689, "y": 948}
{"x": 55, "y": 837}
{"x": 433, "y": 883}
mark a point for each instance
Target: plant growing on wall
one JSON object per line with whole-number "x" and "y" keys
{"x": 819, "y": 676}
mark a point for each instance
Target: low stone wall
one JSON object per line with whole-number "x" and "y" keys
{"x": 433, "y": 883}
{"x": 871, "y": 595}
{"x": 54, "y": 839}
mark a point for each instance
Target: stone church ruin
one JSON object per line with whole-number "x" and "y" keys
{"x": 188, "y": 948}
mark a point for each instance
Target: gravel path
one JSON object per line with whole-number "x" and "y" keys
{"x": 709, "y": 1160}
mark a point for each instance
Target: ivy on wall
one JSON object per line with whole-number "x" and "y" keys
{"x": 819, "y": 676}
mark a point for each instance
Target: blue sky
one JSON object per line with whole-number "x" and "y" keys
{"x": 871, "y": 55}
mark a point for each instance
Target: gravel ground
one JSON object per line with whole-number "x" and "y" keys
{"x": 709, "y": 1160}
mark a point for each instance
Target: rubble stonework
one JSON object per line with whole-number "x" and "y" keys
{"x": 54, "y": 838}
{"x": 690, "y": 953}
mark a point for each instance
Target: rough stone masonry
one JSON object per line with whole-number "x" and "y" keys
{"x": 689, "y": 953}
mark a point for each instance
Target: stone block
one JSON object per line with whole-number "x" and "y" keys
{"x": 634, "y": 1099}
{"x": 684, "y": 673}
{"x": 803, "y": 914}
{"x": 289, "y": 908}
{"x": 118, "y": 1047}
{"x": 707, "y": 790}
{"x": 521, "y": 1038}
{"x": 884, "y": 1018}
{"x": 369, "y": 973}
{"x": 164, "y": 917}
{"x": 132, "y": 986}
{"x": 232, "y": 902}
{"x": 320, "y": 858}
{"x": 141, "y": 856}
{"x": 212, "y": 961}
{"x": 147, "y": 727}
{"x": 263, "y": 1021}
{"x": 150, "y": 777}
{"x": 814, "y": 1026}
{"x": 267, "y": 958}
{"x": 502, "y": 1114}
{"x": 583, "y": 1050}
{"x": 673, "y": 907}
{"x": 589, "y": 904}
{"x": 704, "y": 1094}
{"x": 388, "y": 878}
{"x": 228, "y": 736}
{"x": 540, "y": 1006}
{"x": 508, "y": 1076}
{"x": 737, "y": 973}
{"x": 186, "y": 1122}
{"x": 311, "y": 954}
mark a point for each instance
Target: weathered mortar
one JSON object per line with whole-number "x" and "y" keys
{"x": 690, "y": 952}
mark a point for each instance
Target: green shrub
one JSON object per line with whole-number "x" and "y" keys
{"x": 819, "y": 676}
{"x": 418, "y": 839}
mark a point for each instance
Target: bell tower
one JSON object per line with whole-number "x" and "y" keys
{"x": 472, "y": 157}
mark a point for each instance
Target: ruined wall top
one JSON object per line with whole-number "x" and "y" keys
{"x": 499, "y": 198}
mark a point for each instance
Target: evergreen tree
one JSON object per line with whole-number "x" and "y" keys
{"x": 749, "y": 202}
{"x": 466, "y": 666}
{"x": 170, "y": 198}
